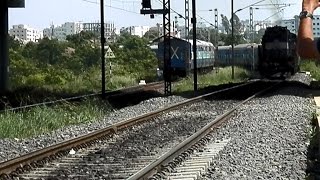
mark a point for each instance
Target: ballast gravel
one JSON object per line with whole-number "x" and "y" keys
{"x": 269, "y": 137}
{"x": 151, "y": 139}
{"x": 11, "y": 148}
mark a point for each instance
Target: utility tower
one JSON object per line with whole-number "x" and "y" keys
{"x": 146, "y": 9}
{"x": 187, "y": 16}
{"x": 216, "y": 26}
{"x": 252, "y": 30}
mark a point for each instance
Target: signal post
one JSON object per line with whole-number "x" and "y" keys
{"x": 146, "y": 9}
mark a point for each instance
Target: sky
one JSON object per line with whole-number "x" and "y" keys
{"x": 41, "y": 13}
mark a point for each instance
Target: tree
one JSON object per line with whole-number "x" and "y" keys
{"x": 13, "y": 43}
{"x": 225, "y": 23}
{"x": 29, "y": 50}
{"x": 237, "y": 29}
{"x": 237, "y": 26}
{"x": 135, "y": 56}
{"x": 125, "y": 30}
{"x": 258, "y": 36}
{"x": 81, "y": 39}
{"x": 238, "y": 39}
{"x": 49, "y": 51}
{"x": 151, "y": 34}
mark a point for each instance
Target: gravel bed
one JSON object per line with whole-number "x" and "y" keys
{"x": 302, "y": 78}
{"x": 150, "y": 139}
{"x": 269, "y": 137}
{"x": 11, "y": 148}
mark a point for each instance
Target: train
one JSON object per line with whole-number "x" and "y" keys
{"x": 182, "y": 56}
{"x": 278, "y": 53}
{"x": 245, "y": 56}
{"x": 275, "y": 56}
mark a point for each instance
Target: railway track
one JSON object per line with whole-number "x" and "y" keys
{"x": 118, "y": 92}
{"x": 191, "y": 153}
{"x": 42, "y": 163}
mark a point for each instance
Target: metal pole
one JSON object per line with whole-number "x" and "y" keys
{"x": 187, "y": 29}
{"x": 102, "y": 39}
{"x": 251, "y": 25}
{"x": 232, "y": 39}
{"x": 216, "y": 24}
{"x": 252, "y": 31}
{"x": 4, "y": 51}
{"x": 194, "y": 21}
{"x": 167, "y": 47}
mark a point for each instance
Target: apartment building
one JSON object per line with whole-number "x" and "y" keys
{"x": 25, "y": 33}
{"x": 62, "y": 31}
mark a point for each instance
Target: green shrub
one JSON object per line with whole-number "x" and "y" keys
{"x": 312, "y": 67}
{"x": 223, "y": 76}
{"x": 45, "y": 119}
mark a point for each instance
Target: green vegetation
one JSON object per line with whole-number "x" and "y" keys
{"x": 312, "y": 67}
{"x": 74, "y": 66}
{"x": 223, "y": 76}
{"x": 45, "y": 119}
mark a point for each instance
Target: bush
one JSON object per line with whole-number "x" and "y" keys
{"x": 312, "y": 67}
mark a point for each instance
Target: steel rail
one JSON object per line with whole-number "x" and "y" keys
{"x": 153, "y": 167}
{"x": 109, "y": 93}
{"x": 36, "y": 156}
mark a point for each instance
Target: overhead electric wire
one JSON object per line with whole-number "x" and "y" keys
{"x": 185, "y": 18}
{"x": 113, "y": 7}
{"x": 249, "y": 5}
{"x": 211, "y": 24}
{"x": 180, "y": 16}
{"x": 280, "y": 10}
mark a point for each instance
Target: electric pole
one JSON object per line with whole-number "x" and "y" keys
{"x": 102, "y": 39}
{"x": 194, "y": 28}
{"x": 232, "y": 39}
{"x": 146, "y": 9}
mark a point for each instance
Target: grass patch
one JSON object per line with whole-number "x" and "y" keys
{"x": 44, "y": 119}
{"x": 117, "y": 82}
{"x": 223, "y": 76}
{"x": 312, "y": 67}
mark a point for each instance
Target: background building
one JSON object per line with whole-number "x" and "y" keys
{"x": 139, "y": 30}
{"x": 62, "y": 31}
{"x": 293, "y": 25}
{"x": 109, "y": 29}
{"x": 136, "y": 30}
{"x": 25, "y": 33}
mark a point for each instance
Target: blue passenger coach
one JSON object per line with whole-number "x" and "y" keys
{"x": 182, "y": 56}
{"x": 245, "y": 55}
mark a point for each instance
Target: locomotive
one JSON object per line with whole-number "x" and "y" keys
{"x": 277, "y": 53}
